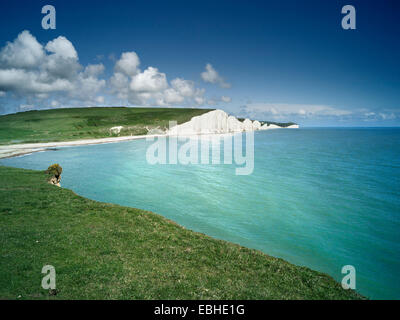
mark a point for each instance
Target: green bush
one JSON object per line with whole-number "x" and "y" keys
{"x": 54, "y": 170}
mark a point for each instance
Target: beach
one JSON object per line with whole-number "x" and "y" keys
{"x": 13, "y": 150}
{"x": 212, "y": 122}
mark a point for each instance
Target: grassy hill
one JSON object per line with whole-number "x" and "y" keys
{"x": 105, "y": 251}
{"x": 82, "y": 123}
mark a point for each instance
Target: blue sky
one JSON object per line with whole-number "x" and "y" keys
{"x": 267, "y": 60}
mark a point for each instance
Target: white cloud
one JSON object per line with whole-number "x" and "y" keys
{"x": 120, "y": 85}
{"x": 24, "y": 52}
{"x": 42, "y": 96}
{"x": 387, "y": 116}
{"x": 211, "y": 75}
{"x": 87, "y": 87}
{"x": 58, "y": 66}
{"x": 226, "y": 99}
{"x": 151, "y": 87}
{"x": 62, "y": 62}
{"x": 51, "y": 75}
{"x": 181, "y": 90}
{"x": 23, "y": 81}
{"x": 171, "y": 96}
{"x": 150, "y": 80}
{"x": 62, "y": 47}
{"x": 32, "y": 71}
{"x": 128, "y": 64}
{"x": 292, "y": 112}
{"x": 184, "y": 87}
{"x": 94, "y": 70}
{"x": 381, "y": 115}
{"x": 100, "y": 99}
{"x": 199, "y": 100}
{"x": 302, "y": 110}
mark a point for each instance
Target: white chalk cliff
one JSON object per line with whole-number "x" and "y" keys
{"x": 218, "y": 121}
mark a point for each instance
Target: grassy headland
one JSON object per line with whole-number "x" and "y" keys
{"x": 85, "y": 123}
{"x": 106, "y": 251}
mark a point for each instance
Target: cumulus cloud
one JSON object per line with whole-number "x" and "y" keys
{"x": 29, "y": 70}
{"x": 211, "y": 75}
{"x": 120, "y": 85}
{"x": 171, "y": 96}
{"x": 151, "y": 86}
{"x": 94, "y": 70}
{"x": 88, "y": 87}
{"x": 51, "y": 75}
{"x": 128, "y": 64}
{"x": 23, "y": 52}
{"x": 184, "y": 87}
{"x": 150, "y": 80}
{"x": 62, "y": 47}
{"x": 34, "y": 75}
{"x": 22, "y": 81}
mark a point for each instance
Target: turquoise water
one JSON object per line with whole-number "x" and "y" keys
{"x": 323, "y": 198}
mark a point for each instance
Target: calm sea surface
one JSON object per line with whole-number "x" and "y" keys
{"x": 322, "y": 198}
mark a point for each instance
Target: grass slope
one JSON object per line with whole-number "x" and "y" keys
{"x": 105, "y": 251}
{"x": 81, "y": 123}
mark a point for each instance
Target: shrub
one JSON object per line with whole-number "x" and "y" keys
{"x": 54, "y": 170}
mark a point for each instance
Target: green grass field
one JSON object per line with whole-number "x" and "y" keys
{"x": 83, "y": 123}
{"x": 105, "y": 251}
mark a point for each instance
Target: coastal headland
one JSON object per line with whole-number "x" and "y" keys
{"x": 34, "y": 131}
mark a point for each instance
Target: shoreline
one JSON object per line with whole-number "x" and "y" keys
{"x": 15, "y": 150}
{"x": 209, "y": 123}
{"x": 20, "y": 149}
{"x": 198, "y": 245}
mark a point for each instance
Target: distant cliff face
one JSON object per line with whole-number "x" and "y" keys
{"x": 218, "y": 121}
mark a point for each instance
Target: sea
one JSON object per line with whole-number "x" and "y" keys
{"x": 325, "y": 198}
